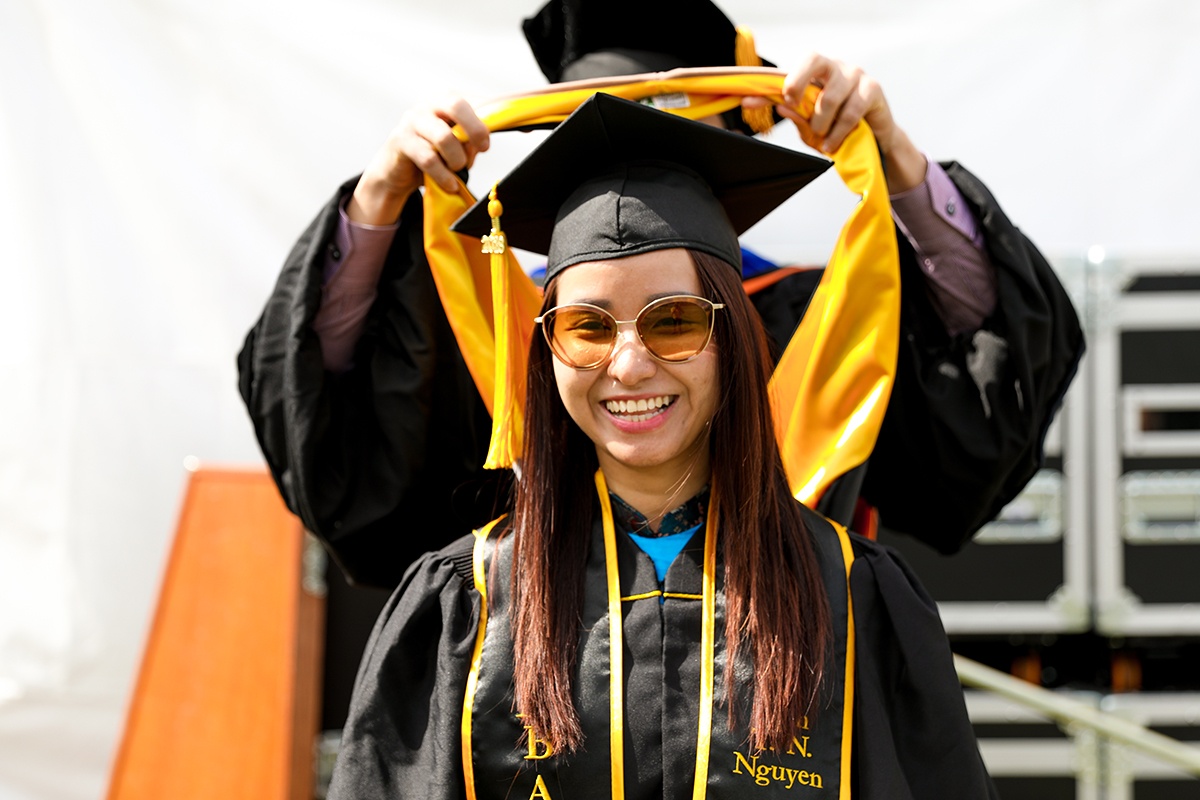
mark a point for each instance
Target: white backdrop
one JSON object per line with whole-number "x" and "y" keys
{"x": 158, "y": 157}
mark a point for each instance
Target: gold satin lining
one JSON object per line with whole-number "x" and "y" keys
{"x": 707, "y": 644}
{"x": 831, "y": 386}
{"x": 477, "y": 569}
{"x": 616, "y": 646}
{"x": 848, "y": 700}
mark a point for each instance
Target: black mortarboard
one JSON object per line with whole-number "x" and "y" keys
{"x": 618, "y": 178}
{"x": 579, "y": 39}
{"x": 667, "y": 33}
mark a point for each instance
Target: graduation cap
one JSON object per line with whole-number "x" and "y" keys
{"x": 579, "y": 39}
{"x": 619, "y": 178}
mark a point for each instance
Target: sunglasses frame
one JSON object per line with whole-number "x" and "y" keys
{"x": 704, "y": 301}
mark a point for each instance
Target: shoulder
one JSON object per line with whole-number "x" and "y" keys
{"x": 433, "y": 613}
{"x": 874, "y": 568}
{"x": 456, "y": 557}
{"x": 439, "y": 583}
{"x": 822, "y": 529}
{"x": 882, "y": 579}
{"x": 456, "y": 562}
{"x": 816, "y": 523}
{"x": 827, "y": 536}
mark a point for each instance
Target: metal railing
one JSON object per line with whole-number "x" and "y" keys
{"x": 1070, "y": 712}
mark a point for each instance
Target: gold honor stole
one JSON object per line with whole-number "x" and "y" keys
{"x": 649, "y": 685}
{"x": 831, "y": 386}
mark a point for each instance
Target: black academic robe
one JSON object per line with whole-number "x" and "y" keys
{"x": 383, "y": 462}
{"x": 911, "y": 739}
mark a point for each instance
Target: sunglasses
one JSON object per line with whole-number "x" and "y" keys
{"x": 672, "y": 329}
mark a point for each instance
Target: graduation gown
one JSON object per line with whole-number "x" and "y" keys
{"x": 384, "y": 462}
{"x": 909, "y": 738}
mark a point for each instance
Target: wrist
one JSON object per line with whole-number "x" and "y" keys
{"x": 376, "y": 202}
{"x": 905, "y": 164}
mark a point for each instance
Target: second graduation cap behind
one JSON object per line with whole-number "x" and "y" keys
{"x": 618, "y": 178}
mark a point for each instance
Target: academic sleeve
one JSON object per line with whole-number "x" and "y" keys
{"x": 968, "y": 414}
{"x": 965, "y": 424}
{"x": 402, "y": 737}
{"x": 375, "y": 458}
{"x": 912, "y": 736}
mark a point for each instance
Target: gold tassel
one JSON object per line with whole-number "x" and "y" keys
{"x": 745, "y": 54}
{"x": 506, "y": 414}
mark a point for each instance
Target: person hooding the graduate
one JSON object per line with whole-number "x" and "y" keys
{"x": 375, "y": 432}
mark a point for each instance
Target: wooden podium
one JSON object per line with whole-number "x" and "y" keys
{"x": 226, "y": 704}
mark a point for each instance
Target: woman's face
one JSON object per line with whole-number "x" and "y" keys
{"x": 668, "y": 438}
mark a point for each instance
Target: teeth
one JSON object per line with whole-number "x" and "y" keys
{"x": 639, "y": 407}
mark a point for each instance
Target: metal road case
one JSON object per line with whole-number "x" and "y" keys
{"x": 1132, "y": 776}
{"x": 1031, "y": 758}
{"x": 1145, "y": 389}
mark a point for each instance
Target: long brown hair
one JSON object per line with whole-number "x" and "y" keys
{"x": 775, "y": 601}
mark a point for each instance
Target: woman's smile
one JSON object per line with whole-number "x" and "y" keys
{"x": 632, "y": 412}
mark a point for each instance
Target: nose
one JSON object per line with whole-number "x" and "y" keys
{"x": 631, "y": 363}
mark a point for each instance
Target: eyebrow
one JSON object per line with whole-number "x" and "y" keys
{"x": 607, "y": 304}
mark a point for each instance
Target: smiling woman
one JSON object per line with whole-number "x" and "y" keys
{"x": 657, "y": 617}
{"x": 661, "y": 450}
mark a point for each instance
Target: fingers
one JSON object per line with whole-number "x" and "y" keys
{"x": 830, "y": 107}
{"x": 851, "y": 110}
{"x": 846, "y": 96}
{"x": 425, "y": 142}
{"x": 458, "y": 111}
{"x": 815, "y": 71}
{"x": 431, "y": 145}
